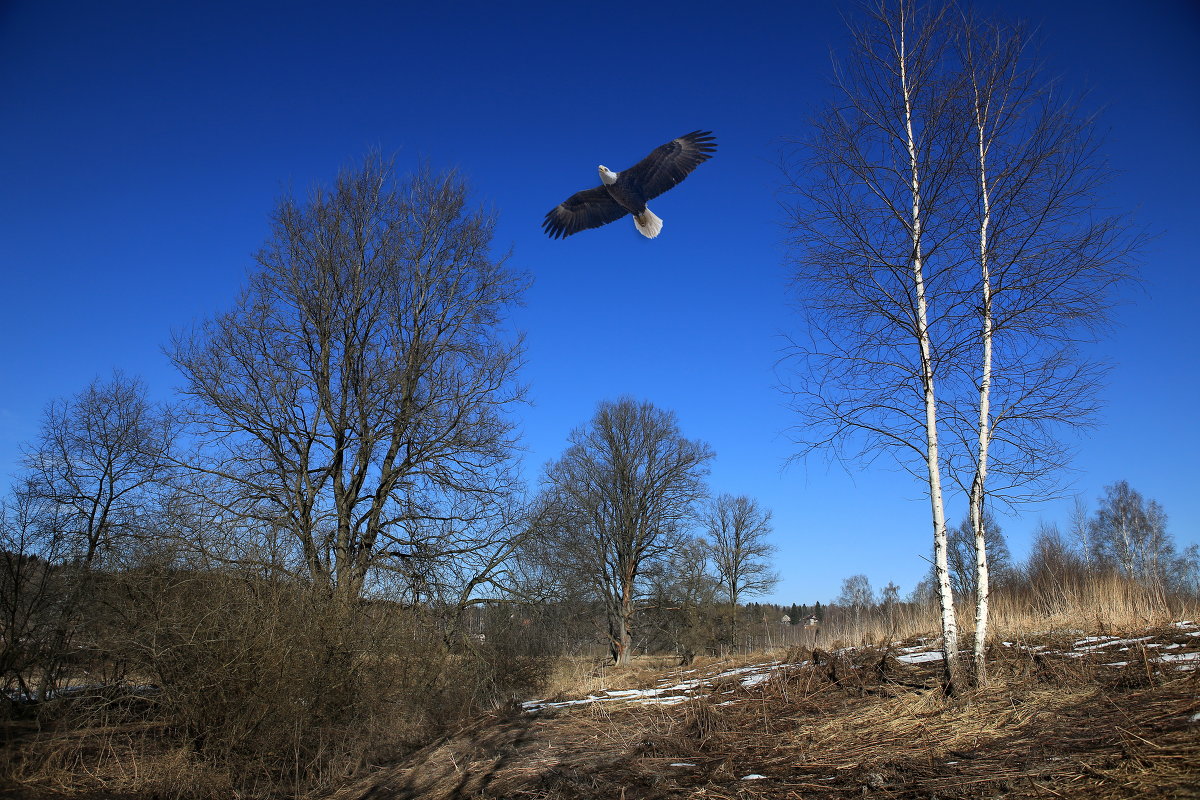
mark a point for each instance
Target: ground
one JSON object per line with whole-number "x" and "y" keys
{"x": 1065, "y": 716}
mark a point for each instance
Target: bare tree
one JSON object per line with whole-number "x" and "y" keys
{"x": 879, "y": 281}
{"x": 963, "y": 555}
{"x": 856, "y": 595}
{"x": 1081, "y": 536}
{"x": 681, "y": 594}
{"x": 358, "y": 394}
{"x": 954, "y": 162}
{"x": 619, "y": 497}
{"x": 1130, "y": 534}
{"x": 889, "y": 596}
{"x": 1048, "y": 263}
{"x": 1052, "y": 563}
{"x": 737, "y": 530}
{"x": 35, "y": 607}
{"x": 101, "y": 456}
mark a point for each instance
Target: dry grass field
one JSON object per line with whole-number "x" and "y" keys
{"x": 1101, "y": 703}
{"x": 1067, "y": 716}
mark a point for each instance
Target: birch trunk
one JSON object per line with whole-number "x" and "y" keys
{"x": 932, "y": 462}
{"x": 982, "y": 590}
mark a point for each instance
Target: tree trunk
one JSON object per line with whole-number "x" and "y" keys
{"x": 621, "y": 632}
{"x": 933, "y": 466}
{"x": 982, "y": 589}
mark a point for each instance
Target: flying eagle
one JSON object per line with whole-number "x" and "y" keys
{"x": 626, "y": 192}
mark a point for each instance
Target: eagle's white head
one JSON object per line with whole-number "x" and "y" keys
{"x": 607, "y": 176}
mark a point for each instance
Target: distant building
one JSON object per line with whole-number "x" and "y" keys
{"x": 785, "y": 620}
{"x": 811, "y": 621}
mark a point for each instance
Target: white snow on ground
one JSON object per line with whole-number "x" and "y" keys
{"x": 1091, "y": 639}
{"x": 754, "y": 680}
{"x": 663, "y": 701}
{"x": 1178, "y": 657}
{"x": 920, "y": 658}
{"x": 753, "y": 776}
{"x": 1112, "y": 642}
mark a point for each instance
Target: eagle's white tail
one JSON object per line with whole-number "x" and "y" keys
{"x": 648, "y": 224}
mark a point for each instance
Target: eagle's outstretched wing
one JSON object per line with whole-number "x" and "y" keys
{"x": 670, "y": 163}
{"x": 590, "y": 208}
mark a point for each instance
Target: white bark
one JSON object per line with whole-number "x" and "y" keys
{"x": 985, "y": 389}
{"x": 933, "y": 464}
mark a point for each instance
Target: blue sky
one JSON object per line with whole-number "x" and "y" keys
{"x": 143, "y": 145}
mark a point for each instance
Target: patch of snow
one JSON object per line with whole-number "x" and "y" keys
{"x": 1178, "y": 657}
{"x": 753, "y": 776}
{"x": 1111, "y": 642}
{"x": 681, "y": 764}
{"x": 755, "y": 680}
{"x": 920, "y": 658}
{"x": 1090, "y": 639}
{"x": 1194, "y": 718}
{"x": 538, "y": 705}
{"x": 1187, "y": 623}
{"x": 662, "y": 701}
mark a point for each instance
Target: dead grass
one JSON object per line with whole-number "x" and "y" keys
{"x": 582, "y": 676}
{"x": 848, "y": 725}
{"x": 1088, "y": 604}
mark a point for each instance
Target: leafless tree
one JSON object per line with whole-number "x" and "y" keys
{"x": 1048, "y": 263}
{"x": 621, "y": 496}
{"x": 963, "y": 555}
{"x": 952, "y": 160}
{"x": 94, "y": 479}
{"x": 874, "y": 261}
{"x": 1130, "y": 534}
{"x": 35, "y": 624}
{"x": 856, "y": 593}
{"x": 681, "y": 597}
{"x": 358, "y": 394}
{"x": 737, "y": 529}
{"x": 101, "y": 456}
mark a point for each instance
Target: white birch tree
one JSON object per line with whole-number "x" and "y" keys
{"x": 1048, "y": 265}
{"x": 874, "y": 261}
{"x": 951, "y": 256}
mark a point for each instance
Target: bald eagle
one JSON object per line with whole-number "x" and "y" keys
{"x": 626, "y": 192}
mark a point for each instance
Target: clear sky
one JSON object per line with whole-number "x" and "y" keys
{"x": 143, "y": 145}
